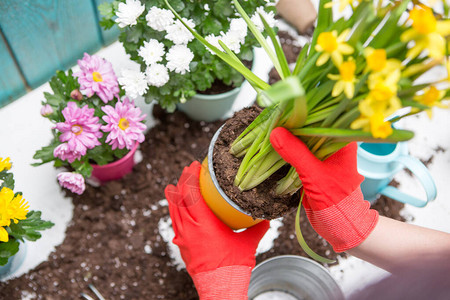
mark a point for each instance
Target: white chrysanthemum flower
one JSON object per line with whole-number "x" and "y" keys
{"x": 134, "y": 83}
{"x": 238, "y": 28}
{"x": 152, "y": 51}
{"x": 178, "y": 59}
{"x": 178, "y": 34}
{"x": 128, "y": 12}
{"x": 232, "y": 40}
{"x": 269, "y": 17}
{"x": 159, "y": 19}
{"x": 213, "y": 40}
{"x": 157, "y": 75}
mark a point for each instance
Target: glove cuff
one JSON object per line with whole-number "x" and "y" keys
{"x": 230, "y": 282}
{"x": 346, "y": 224}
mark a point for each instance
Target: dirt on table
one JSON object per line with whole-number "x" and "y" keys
{"x": 114, "y": 241}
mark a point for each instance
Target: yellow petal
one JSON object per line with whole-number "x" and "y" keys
{"x": 345, "y": 49}
{"x": 334, "y": 76}
{"x": 408, "y": 35}
{"x": 436, "y": 46}
{"x": 337, "y": 58}
{"x": 343, "y": 36}
{"x": 443, "y": 27}
{"x": 338, "y": 88}
{"x": 4, "y": 237}
{"x": 323, "y": 58}
{"x": 360, "y": 123}
{"x": 349, "y": 90}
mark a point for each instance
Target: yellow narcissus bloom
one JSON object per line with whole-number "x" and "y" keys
{"x": 431, "y": 97}
{"x": 381, "y": 102}
{"x": 334, "y": 46}
{"x": 345, "y": 80}
{"x": 426, "y": 32}
{"x": 4, "y": 164}
{"x": 377, "y": 61}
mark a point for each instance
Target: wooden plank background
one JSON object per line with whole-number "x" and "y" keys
{"x": 44, "y": 36}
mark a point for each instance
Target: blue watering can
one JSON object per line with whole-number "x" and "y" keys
{"x": 379, "y": 162}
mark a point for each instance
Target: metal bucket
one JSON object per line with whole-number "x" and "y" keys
{"x": 295, "y": 277}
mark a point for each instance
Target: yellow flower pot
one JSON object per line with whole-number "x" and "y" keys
{"x": 222, "y": 206}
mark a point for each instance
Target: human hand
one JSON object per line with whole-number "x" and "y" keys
{"x": 218, "y": 259}
{"x": 333, "y": 202}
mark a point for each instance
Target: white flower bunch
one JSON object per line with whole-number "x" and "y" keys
{"x": 178, "y": 57}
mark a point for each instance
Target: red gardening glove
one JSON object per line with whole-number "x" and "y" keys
{"x": 218, "y": 259}
{"x": 333, "y": 202}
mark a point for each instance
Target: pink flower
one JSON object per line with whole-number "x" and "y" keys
{"x": 124, "y": 124}
{"x": 46, "y": 110}
{"x": 81, "y": 129}
{"x": 96, "y": 75}
{"x": 72, "y": 181}
{"x": 63, "y": 152}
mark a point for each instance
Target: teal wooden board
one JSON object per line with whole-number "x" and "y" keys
{"x": 47, "y": 35}
{"x": 109, "y": 35}
{"x": 11, "y": 84}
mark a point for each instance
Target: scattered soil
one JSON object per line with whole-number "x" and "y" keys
{"x": 260, "y": 201}
{"x": 114, "y": 242}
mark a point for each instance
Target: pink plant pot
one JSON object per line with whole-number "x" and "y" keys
{"x": 115, "y": 170}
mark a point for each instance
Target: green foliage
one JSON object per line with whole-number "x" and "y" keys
{"x": 210, "y": 17}
{"x": 8, "y": 249}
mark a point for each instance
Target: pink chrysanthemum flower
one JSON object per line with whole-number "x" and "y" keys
{"x": 124, "y": 124}
{"x": 63, "y": 152}
{"x": 72, "y": 181}
{"x": 81, "y": 129}
{"x": 96, "y": 75}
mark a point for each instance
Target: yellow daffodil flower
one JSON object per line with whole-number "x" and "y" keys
{"x": 345, "y": 81}
{"x": 334, "y": 46}
{"x": 431, "y": 96}
{"x": 447, "y": 66}
{"x": 426, "y": 32}
{"x": 379, "y": 127}
{"x": 377, "y": 61}
{"x": 5, "y": 164}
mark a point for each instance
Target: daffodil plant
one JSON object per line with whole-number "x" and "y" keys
{"x": 347, "y": 83}
{"x": 16, "y": 221}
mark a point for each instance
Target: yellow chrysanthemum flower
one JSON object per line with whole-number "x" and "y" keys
{"x": 334, "y": 46}
{"x": 11, "y": 208}
{"x": 431, "y": 96}
{"x": 426, "y": 32}
{"x": 6, "y": 195}
{"x": 378, "y": 62}
{"x": 4, "y": 164}
{"x": 18, "y": 209}
{"x": 345, "y": 81}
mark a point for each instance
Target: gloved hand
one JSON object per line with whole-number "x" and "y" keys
{"x": 218, "y": 259}
{"x": 333, "y": 202}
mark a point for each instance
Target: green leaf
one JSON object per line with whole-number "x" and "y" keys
{"x": 106, "y": 10}
{"x": 302, "y": 241}
{"x": 30, "y": 227}
{"x": 278, "y": 49}
{"x": 286, "y": 89}
{"x": 8, "y": 180}
{"x": 348, "y": 135}
{"x": 325, "y": 18}
{"x": 8, "y": 249}
{"x": 45, "y": 154}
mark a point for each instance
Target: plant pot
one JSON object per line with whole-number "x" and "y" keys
{"x": 14, "y": 262}
{"x": 115, "y": 170}
{"x": 292, "y": 277}
{"x": 209, "y": 108}
{"x": 222, "y": 206}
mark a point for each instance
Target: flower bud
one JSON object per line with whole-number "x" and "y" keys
{"x": 46, "y": 110}
{"x": 75, "y": 94}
